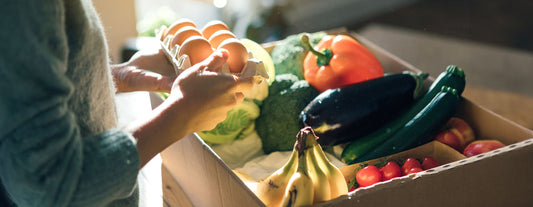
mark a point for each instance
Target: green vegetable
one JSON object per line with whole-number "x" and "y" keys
{"x": 258, "y": 93}
{"x": 421, "y": 128}
{"x": 278, "y": 122}
{"x": 236, "y": 124}
{"x": 289, "y": 54}
{"x": 353, "y": 152}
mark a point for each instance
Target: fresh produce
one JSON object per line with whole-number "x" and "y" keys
{"x": 414, "y": 170}
{"x": 197, "y": 48}
{"x": 453, "y": 76}
{"x": 177, "y": 25}
{"x": 238, "y": 119}
{"x": 390, "y": 170}
{"x": 429, "y": 162}
{"x": 481, "y": 146}
{"x": 213, "y": 26}
{"x": 219, "y": 36}
{"x": 288, "y": 56}
{"x": 183, "y": 34}
{"x": 238, "y": 54}
{"x": 306, "y": 179}
{"x": 367, "y": 174}
{"x": 278, "y": 121}
{"x": 344, "y": 114}
{"x": 409, "y": 164}
{"x": 421, "y": 128}
{"x": 338, "y": 61}
{"x": 457, "y": 133}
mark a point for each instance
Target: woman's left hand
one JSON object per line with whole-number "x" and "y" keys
{"x": 147, "y": 70}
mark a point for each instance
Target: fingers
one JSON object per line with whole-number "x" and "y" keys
{"x": 143, "y": 80}
{"x": 215, "y": 60}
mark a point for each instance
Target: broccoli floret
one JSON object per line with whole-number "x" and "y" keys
{"x": 289, "y": 54}
{"x": 278, "y": 123}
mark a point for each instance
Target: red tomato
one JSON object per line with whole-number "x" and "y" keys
{"x": 429, "y": 162}
{"x": 410, "y": 163}
{"x": 367, "y": 176}
{"x": 390, "y": 170}
{"x": 414, "y": 170}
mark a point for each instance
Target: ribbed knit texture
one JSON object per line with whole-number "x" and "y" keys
{"x": 57, "y": 142}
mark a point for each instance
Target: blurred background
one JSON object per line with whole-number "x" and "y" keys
{"x": 490, "y": 39}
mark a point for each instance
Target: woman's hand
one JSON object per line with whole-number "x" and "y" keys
{"x": 147, "y": 70}
{"x": 199, "y": 100}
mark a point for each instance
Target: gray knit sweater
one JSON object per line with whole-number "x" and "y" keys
{"x": 57, "y": 142}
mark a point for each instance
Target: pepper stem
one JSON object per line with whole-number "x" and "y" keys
{"x": 322, "y": 58}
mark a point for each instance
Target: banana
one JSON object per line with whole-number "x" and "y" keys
{"x": 337, "y": 182}
{"x": 247, "y": 180}
{"x": 306, "y": 179}
{"x": 320, "y": 179}
{"x": 300, "y": 191}
{"x": 272, "y": 189}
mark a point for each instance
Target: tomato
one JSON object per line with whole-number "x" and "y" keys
{"x": 429, "y": 162}
{"x": 410, "y": 163}
{"x": 414, "y": 170}
{"x": 390, "y": 170}
{"x": 367, "y": 176}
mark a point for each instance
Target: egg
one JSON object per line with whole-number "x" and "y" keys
{"x": 183, "y": 34}
{"x": 197, "y": 48}
{"x": 213, "y": 26}
{"x": 238, "y": 55}
{"x": 219, "y": 36}
{"x": 177, "y": 25}
{"x": 163, "y": 33}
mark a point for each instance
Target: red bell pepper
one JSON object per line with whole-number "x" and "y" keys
{"x": 338, "y": 61}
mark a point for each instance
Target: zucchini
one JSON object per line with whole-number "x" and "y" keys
{"x": 421, "y": 128}
{"x": 353, "y": 152}
{"x": 340, "y": 115}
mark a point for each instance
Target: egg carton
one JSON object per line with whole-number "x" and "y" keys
{"x": 253, "y": 67}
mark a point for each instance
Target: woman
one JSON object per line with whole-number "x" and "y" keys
{"x": 59, "y": 145}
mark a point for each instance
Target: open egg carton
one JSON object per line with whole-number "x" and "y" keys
{"x": 252, "y": 68}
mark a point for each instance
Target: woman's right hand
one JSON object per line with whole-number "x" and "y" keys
{"x": 208, "y": 95}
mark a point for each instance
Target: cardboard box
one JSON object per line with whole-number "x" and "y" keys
{"x": 497, "y": 178}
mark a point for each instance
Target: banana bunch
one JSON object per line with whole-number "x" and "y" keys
{"x": 306, "y": 179}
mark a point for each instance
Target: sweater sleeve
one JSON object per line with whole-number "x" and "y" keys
{"x": 44, "y": 161}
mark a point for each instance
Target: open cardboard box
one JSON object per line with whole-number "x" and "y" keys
{"x": 498, "y": 178}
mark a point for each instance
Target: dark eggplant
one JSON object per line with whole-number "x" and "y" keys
{"x": 343, "y": 114}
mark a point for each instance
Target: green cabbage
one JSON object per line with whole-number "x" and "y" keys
{"x": 238, "y": 121}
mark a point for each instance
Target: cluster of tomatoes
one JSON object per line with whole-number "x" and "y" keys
{"x": 367, "y": 175}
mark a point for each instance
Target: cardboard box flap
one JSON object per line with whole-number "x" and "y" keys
{"x": 206, "y": 179}
{"x": 495, "y": 178}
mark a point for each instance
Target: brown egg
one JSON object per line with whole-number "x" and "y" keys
{"x": 163, "y": 33}
{"x": 197, "y": 48}
{"x": 213, "y": 26}
{"x": 177, "y": 25}
{"x": 183, "y": 34}
{"x": 238, "y": 55}
{"x": 219, "y": 36}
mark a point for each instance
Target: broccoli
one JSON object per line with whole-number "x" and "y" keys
{"x": 278, "y": 122}
{"x": 289, "y": 54}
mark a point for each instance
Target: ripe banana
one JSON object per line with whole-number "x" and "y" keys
{"x": 337, "y": 182}
{"x": 307, "y": 178}
{"x": 320, "y": 179}
{"x": 300, "y": 191}
{"x": 272, "y": 189}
